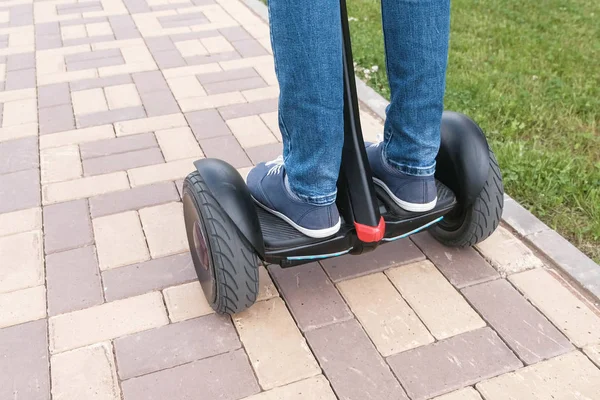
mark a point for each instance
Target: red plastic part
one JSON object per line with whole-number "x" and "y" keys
{"x": 370, "y": 234}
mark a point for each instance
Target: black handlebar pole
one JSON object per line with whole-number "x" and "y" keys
{"x": 355, "y": 166}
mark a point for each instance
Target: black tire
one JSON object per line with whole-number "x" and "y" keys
{"x": 230, "y": 281}
{"x": 467, "y": 227}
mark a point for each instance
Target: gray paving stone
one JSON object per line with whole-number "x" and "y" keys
{"x": 247, "y": 109}
{"x": 123, "y": 27}
{"x": 92, "y": 55}
{"x": 400, "y": 252}
{"x": 226, "y": 148}
{"x": 151, "y": 81}
{"x": 227, "y": 377}
{"x": 312, "y": 298}
{"x": 159, "y": 43}
{"x": 47, "y": 28}
{"x": 20, "y": 79}
{"x": 234, "y": 85}
{"x": 235, "y": 33}
{"x": 24, "y": 369}
{"x": 94, "y": 83}
{"x": 453, "y": 363}
{"x": 119, "y": 145}
{"x": 122, "y": 161}
{"x": 67, "y": 226}
{"x": 19, "y": 190}
{"x": 54, "y": 95}
{"x": 249, "y": 48}
{"x": 95, "y": 63}
{"x": 160, "y": 102}
{"x": 520, "y": 219}
{"x": 73, "y": 280}
{"x": 80, "y": 21}
{"x": 48, "y": 42}
{"x": 19, "y": 154}
{"x": 136, "y": 6}
{"x": 462, "y": 267}
{"x": 175, "y": 344}
{"x": 168, "y": 58}
{"x": 213, "y": 58}
{"x": 140, "y": 278}
{"x": 207, "y": 124}
{"x": 352, "y": 364}
{"x": 133, "y": 199}
{"x": 56, "y": 119}
{"x": 108, "y": 117}
{"x": 265, "y": 152}
{"x": 240, "y": 73}
{"x": 16, "y": 62}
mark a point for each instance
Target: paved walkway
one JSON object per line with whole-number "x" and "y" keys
{"x": 104, "y": 106}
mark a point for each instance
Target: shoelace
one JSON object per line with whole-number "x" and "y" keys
{"x": 277, "y": 166}
{"x": 379, "y": 140}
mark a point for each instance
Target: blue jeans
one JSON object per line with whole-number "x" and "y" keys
{"x": 307, "y": 46}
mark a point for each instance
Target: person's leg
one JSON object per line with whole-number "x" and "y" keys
{"x": 307, "y": 47}
{"x": 416, "y": 42}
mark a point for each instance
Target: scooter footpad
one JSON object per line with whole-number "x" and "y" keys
{"x": 278, "y": 233}
{"x": 445, "y": 201}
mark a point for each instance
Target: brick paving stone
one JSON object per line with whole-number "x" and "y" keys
{"x": 226, "y": 148}
{"x": 277, "y": 350}
{"x": 67, "y": 226}
{"x": 226, "y": 376}
{"x": 571, "y": 376}
{"x": 207, "y": 124}
{"x": 110, "y": 116}
{"x": 161, "y": 172}
{"x": 272, "y": 121}
{"x": 133, "y": 199}
{"x": 60, "y": 164}
{"x": 184, "y": 87}
{"x": 251, "y": 131}
{"x": 24, "y": 370}
{"x": 19, "y": 112}
{"x": 56, "y": 119}
{"x": 89, "y": 101}
{"x": 224, "y": 76}
{"x": 400, "y": 252}
{"x": 21, "y": 79}
{"x": 388, "y": 320}
{"x": 264, "y": 153}
{"x": 77, "y": 136}
{"x": 574, "y": 318}
{"x": 123, "y": 27}
{"x": 147, "y": 276}
{"x": 253, "y": 95}
{"x": 84, "y": 187}
{"x": 148, "y": 82}
{"x": 165, "y": 229}
{"x": 122, "y": 96}
{"x": 94, "y": 83}
{"x": 150, "y": 124}
{"x": 20, "y": 221}
{"x": 315, "y": 388}
{"x": 249, "y": 48}
{"x": 122, "y": 161}
{"x": 19, "y": 190}
{"x": 95, "y": 63}
{"x": 352, "y": 364}
{"x": 18, "y": 155}
{"x": 118, "y": 145}
{"x": 175, "y": 344}
{"x": 463, "y": 394}
{"x": 203, "y": 101}
{"x": 16, "y": 62}
{"x": 22, "y": 306}
{"x": 159, "y": 103}
{"x": 120, "y": 240}
{"x": 234, "y": 85}
{"x": 452, "y": 363}
{"x": 593, "y": 352}
{"x": 529, "y": 334}
{"x": 247, "y": 109}
{"x": 266, "y": 288}
{"x": 310, "y": 295}
{"x": 462, "y": 267}
{"x": 178, "y": 143}
{"x": 234, "y": 33}
{"x": 508, "y": 254}
{"x": 73, "y": 280}
{"x": 186, "y": 301}
{"x": 53, "y": 95}
{"x": 168, "y": 59}
{"x": 21, "y": 261}
{"x": 106, "y": 321}
{"x": 441, "y": 308}
{"x": 86, "y": 373}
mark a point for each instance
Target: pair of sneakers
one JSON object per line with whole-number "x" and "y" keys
{"x": 270, "y": 190}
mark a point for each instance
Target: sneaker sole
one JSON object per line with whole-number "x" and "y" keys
{"x": 313, "y": 233}
{"x": 412, "y": 207}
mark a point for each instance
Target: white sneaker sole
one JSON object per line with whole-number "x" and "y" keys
{"x": 313, "y": 233}
{"x": 412, "y": 207}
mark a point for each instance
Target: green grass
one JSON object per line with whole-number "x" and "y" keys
{"x": 529, "y": 73}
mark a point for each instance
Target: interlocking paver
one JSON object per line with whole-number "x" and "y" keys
{"x": 391, "y": 324}
{"x": 67, "y": 226}
{"x": 247, "y": 109}
{"x": 186, "y": 301}
{"x": 121, "y": 96}
{"x": 131, "y": 280}
{"x": 277, "y": 350}
{"x": 122, "y": 161}
{"x": 133, "y": 199}
{"x": 352, "y": 364}
{"x": 77, "y": 136}
{"x": 400, "y": 252}
{"x": 110, "y": 116}
{"x": 574, "y": 318}
{"x": 178, "y": 143}
{"x": 507, "y": 253}
{"x": 106, "y": 321}
{"x": 118, "y": 145}
{"x": 522, "y": 327}
{"x": 443, "y": 310}
{"x": 22, "y": 306}
{"x": 24, "y": 369}
{"x": 453, "y": 363}
{"x": 462, "y": 394}
{"x": 20, "y": 221}
{"x": 86, "y": 373}
{"x": 228, "y": 376}
{"x": 60, "y": 164}
{"x": 570, "y": 376}
{"x": 164, "y": 229}
{"x": 84, "y": 187}
{"x": 175, "y": 344}
{"x": 227, "y": 148}
{"x": 73, "y": 280}
{"x": 149, "y": 124}
{"x": 310, "y": 295}
{"x": 461, "y": 266}
{"x": 251, "y": 131}
{"x": 265, "y": 152}
{"x": 161, "y": 172}
{"x": 316, "y": 388}
{"x": 18, "y": 155}
{"x": 53, "y": 95}
{"x": 593, "y": 352}
{"x": 206, "y": 124}
{"x": 21, "y": 261}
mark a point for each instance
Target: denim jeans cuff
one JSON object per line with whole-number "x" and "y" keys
{"x": 411, "y": 170}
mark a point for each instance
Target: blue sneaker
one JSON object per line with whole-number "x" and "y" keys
{"x": 412, "y": 193}
{"x": 269, "y": 189}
